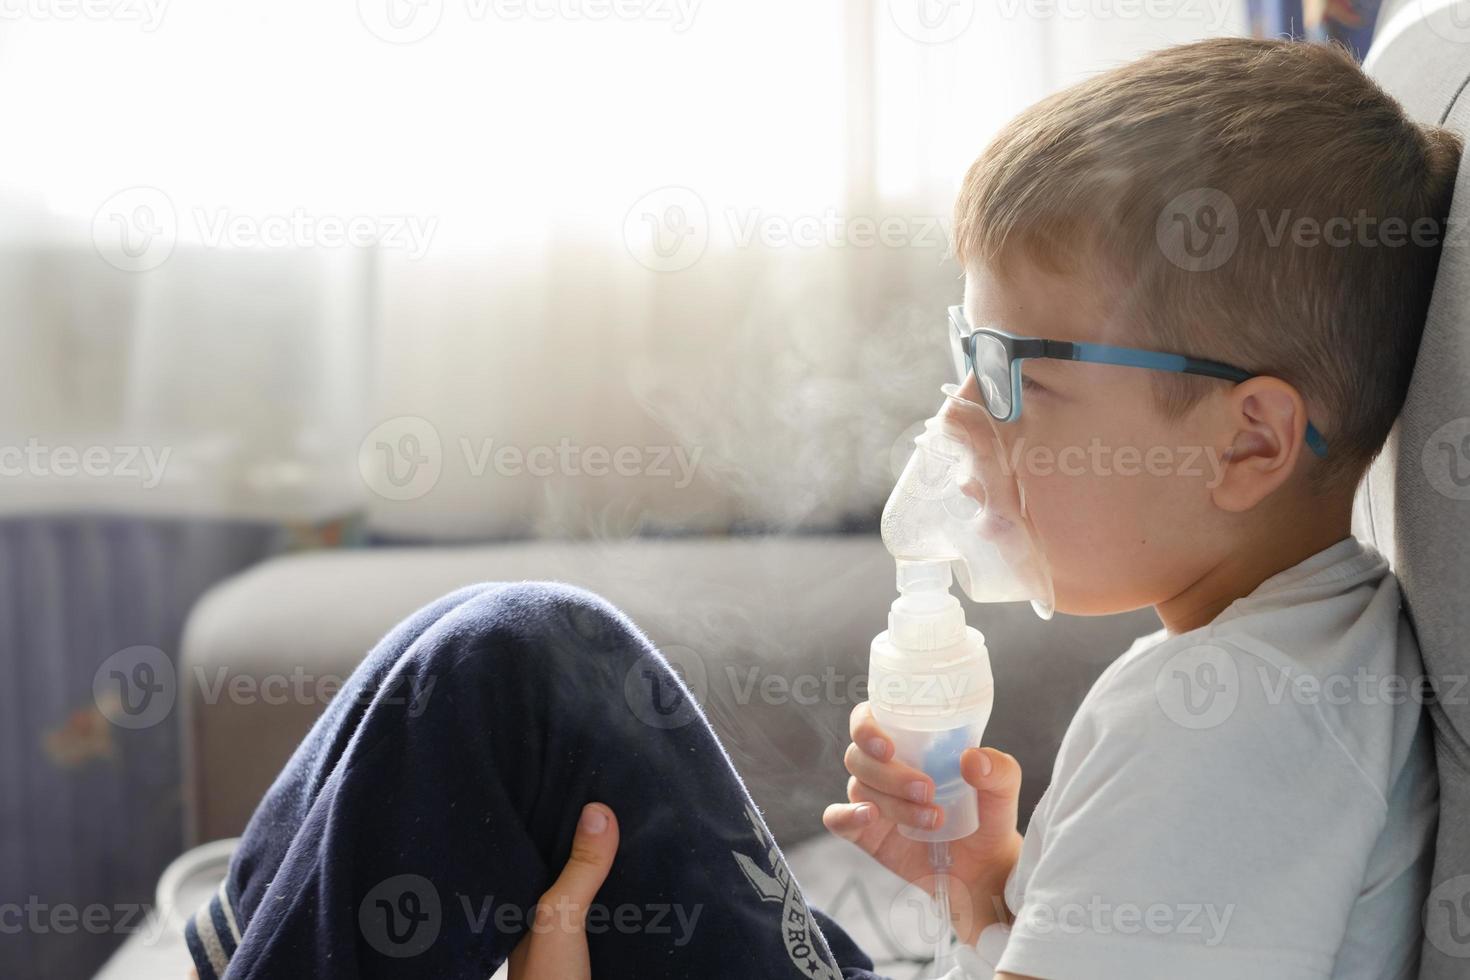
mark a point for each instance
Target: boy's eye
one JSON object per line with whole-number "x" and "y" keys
{"x": 1030, "y": 384}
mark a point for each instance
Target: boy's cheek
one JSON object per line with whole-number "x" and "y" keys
{"x": 1066, "y": 511}
{"x": 1109, "y": 531}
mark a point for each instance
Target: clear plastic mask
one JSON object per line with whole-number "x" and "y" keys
{"x": 959, "y": 499}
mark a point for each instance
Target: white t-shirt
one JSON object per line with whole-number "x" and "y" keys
{"x": 1254, "y": 798}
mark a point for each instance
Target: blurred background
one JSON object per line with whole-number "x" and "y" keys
{"x": 373, "y": 282}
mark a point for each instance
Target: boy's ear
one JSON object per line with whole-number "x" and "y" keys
{"x": 1267, "y": 419}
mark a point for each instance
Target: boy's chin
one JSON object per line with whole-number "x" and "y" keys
{"x": 1074, "y": 603}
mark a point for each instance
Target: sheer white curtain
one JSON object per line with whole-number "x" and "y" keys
{"x": 446, "y": 260}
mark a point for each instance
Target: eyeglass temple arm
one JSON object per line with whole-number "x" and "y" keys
{"x": 1158, "y": 361}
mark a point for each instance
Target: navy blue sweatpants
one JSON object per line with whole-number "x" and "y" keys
{"x": 436, "y": 799}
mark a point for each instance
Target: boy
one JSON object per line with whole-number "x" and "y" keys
{"x": 1206, "y": 816}
{"x": 1246, "y": 776}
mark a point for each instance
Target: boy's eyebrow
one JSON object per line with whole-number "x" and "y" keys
{"x": 1050, "y": 372}
{"x": 1047, "y": 364}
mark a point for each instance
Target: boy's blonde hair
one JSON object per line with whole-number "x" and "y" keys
{"x": 1129, "y": 178}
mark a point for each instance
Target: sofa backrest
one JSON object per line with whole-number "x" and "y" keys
{"x": 1415, "y": 504}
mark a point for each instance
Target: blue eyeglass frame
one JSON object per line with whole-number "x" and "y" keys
{"x": 1018, "y": 349}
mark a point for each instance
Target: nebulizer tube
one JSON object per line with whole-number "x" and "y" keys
{"x": 939, "y": 861}
{"x": 958, "y": 511}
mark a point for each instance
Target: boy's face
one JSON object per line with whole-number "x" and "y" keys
{"x": 1120, "y": 496}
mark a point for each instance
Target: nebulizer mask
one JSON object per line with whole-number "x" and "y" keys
{"x": 960, "y": 501}
{"x": 958, "y": 511}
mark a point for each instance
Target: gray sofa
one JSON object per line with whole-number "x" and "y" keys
{"x": 1415, "y": 505}
{"x": 771, "y": 633}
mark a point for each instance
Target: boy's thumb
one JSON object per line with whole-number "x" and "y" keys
{"x": 593, "y": 848}
{"x": 997, "y": 777}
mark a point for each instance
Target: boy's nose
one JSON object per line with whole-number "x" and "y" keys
{"x": 970, "y": 390}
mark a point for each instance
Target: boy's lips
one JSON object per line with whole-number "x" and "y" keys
{"x": 993, "y": 525}
{"x": 991, "y": 522}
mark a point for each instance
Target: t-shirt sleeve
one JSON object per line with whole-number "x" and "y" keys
{"x": 1201, "y": 822}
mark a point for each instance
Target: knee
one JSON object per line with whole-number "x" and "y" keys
{"x": 566, "y": 648}
{"x": 539, "y": 610}
{"x": 537, "y": 626}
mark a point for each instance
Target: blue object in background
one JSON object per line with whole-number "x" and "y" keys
{"x": 1276, "y": 18}
{"x": 1350, "y": 22}
{"x": 90, "y": 812}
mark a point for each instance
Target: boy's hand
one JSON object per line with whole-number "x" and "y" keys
{"x": 885, "y": 793}
{"x": 556, "y": 946}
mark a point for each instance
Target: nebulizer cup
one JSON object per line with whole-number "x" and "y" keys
{"x": 958, "y": 511}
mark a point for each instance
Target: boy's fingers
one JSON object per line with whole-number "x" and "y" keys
{"x": 593, "y": 848}
{"x": 849, "y": 820}
{"x": 893, "y": 778}
{"x": 895, "y": 809}
{"x": 866, "y": 734}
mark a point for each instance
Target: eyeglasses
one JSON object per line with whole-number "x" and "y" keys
{"x": 994, "y": 358}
